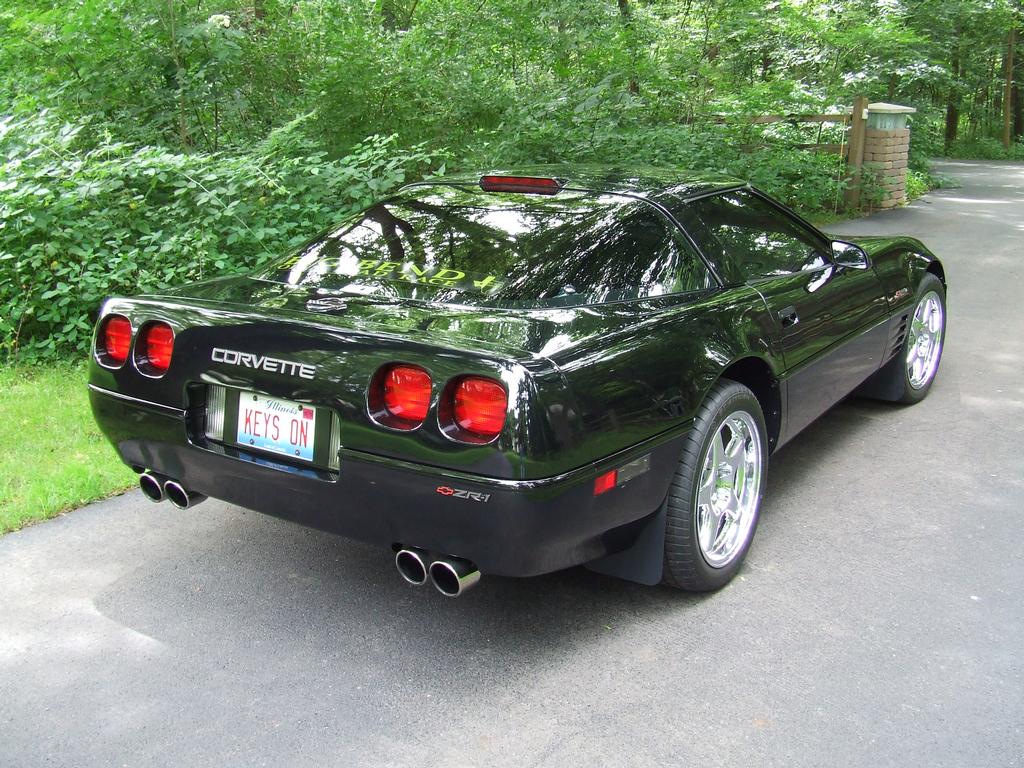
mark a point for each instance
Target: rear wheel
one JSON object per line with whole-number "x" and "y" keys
{"x": 715, "y": 498}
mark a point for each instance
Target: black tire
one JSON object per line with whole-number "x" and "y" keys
{"x": 892, "y": 381}
{"x": 685, "y": 564}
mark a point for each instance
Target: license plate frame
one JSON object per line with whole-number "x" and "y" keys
{"x": 274, "y": 425}
{"x": 320, "y": 432}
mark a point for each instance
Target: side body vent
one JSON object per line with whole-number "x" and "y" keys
{"x": 897, "y": 335}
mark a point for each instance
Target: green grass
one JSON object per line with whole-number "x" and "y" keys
{"x": 52, "y": 456}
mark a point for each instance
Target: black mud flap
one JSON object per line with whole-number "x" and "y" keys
{"x": 644, "y": 560}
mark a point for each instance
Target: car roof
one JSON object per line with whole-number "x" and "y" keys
{"x": 649, "y": 182}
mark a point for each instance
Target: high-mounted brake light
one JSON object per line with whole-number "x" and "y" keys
{"x": 531, "y": 184}
{"x": 407, "y": 395}
{"x": 154, "y": 349}
{"x": 114, "y": 340}
{"x": 480, "y": 405}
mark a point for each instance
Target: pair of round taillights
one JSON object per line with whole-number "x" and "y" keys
{"x": 471, "y": 408}
{"x": 153, "y": 347}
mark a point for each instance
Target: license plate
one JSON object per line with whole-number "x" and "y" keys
{"x": 278, "y": 426}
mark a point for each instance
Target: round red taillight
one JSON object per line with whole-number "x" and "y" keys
{"x": 407, "y": 394}
{"x": 114, "y": 339}
{"x": 154, "y": 349}
{"x": 480, "y": 406}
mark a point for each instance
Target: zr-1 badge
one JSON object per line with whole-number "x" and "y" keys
{"x": 444, "y": 490}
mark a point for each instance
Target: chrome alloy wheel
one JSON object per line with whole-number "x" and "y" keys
{"x": 729, "y": 489}
{"x": 924, "y": 345}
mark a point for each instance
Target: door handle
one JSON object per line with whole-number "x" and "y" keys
{"x": 788, "y": 317}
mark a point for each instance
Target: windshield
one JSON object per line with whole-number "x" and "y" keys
{"x": 448, "y": 245}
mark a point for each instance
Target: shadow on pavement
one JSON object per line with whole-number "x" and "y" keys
{"x": 262, "y": 580}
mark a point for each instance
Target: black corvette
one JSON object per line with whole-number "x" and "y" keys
{"x": 515, "y": 374}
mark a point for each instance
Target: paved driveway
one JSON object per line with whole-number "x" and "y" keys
{"x": 879, "y": 619}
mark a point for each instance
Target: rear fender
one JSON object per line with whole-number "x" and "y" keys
{"x": 649, "y": 378}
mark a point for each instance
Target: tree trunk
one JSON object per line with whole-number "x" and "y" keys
{"x": 1011, "y": 43}
{"x": 184, "y": 137}
{"x": 952, "y": 121}
{"x": 953, "y": 98}
{"x": 626, "y": 14}
{"x": 1017, "y": 96}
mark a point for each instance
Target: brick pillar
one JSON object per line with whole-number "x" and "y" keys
{"x": 885, "y": 153}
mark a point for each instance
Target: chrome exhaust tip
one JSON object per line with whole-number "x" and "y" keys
{"x": 180, "y": 497}
{"x": 412, "y": 565}
{"x": 151, "y": 487}
{"x": 453, "y": 576}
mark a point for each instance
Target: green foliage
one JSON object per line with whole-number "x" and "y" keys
{"x": 147, "y": 142}
{"x": 218, "y": 74}
{"x": 82, "y": 220}
{"x": 985, "y": 148}
{"x": 917, "y": 184}
{"x": 808, "y": 181}
{"x": 47, "y": 409}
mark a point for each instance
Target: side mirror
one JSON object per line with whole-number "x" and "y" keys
{"x": 846, "y": 254}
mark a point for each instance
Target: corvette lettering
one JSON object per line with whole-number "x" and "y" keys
{"x": 262, "y": 362}
{"x": 444, "y": 490}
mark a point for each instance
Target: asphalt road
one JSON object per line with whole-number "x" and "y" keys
{"x": 879, "y": 619}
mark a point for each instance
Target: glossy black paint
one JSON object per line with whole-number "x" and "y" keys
{"x": 590, "y": 387}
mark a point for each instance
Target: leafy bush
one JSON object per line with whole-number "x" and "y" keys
{"x": 80, "y": 220}
{"x": 918, "y": 184}
{"x": 985, "y": 148}
{"x": 611, "y": 133}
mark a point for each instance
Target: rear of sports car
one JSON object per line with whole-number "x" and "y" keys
{"x": 375, "y": 385}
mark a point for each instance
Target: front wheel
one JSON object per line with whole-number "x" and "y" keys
{"x": 908, "y": 377}
{"x": 715, "y": 498}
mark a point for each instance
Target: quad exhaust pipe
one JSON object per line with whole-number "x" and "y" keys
{"x": 412, "y": 565}
{"x": 180, "y": 496}
{"x": 452, "y": 576}
{"x": 152, "y": 486}
{"x": 156, "y": 488}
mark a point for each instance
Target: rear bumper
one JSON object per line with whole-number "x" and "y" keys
{"x": 523, "y": 528}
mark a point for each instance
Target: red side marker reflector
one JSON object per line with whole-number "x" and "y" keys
{"x": 531, "y": 184}
{"x": 605, "y": 482}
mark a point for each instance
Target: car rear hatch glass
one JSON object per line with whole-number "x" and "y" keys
{"x": 446, "y": 244}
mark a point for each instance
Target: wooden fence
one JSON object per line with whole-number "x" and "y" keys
{"x": 852, "y": 148}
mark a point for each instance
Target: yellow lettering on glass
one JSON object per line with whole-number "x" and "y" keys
{"x": 447, "y": 277}
{"x": 413, "y": 274}
{"x": 481, "y": 284}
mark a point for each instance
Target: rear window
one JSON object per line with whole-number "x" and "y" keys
{"x": 453, "y": 246}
